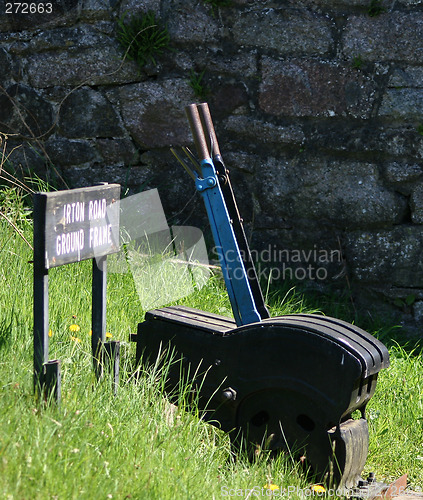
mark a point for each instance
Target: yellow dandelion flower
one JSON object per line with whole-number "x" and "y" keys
{"x": 75, "y": 339}
{"x": 109, "y": 335}
{"x": 90, "y": 333}
{"x": 271, "y": 487}
{"x": 318, "y": 488}
{"x": 50, "y": 333}
{"x": 74, "y": 328}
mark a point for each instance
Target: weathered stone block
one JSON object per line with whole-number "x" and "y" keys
{"x": 410, "y": 76}
{"x": 10, "y": 68}
{"x": 262, "y": 132}
{"x": 410, "y": 3}
{"x": 244, "y": 64}
{"x": 190, "y": 22}
{"x": 339, "y": 134}
{"x": 285, "y": 30}
{"x": 26, "y": 158}
{"x": 314, "y": 88}
{"x": 227, "y": 98}
{"x": 385, "y": 256}
{"x": 402, "y": 140}
{"x": 135, "y": 7}
{"x": 64, "y": 152}
{"x": 418, "y": 310}
{"x": 403, "y": 172}
{"x": 241, "y": 160}
{"x": 24, "y": 111}
{"x": 390, "y": 36}
{"x": 87, "y": 176}
{"x": 87, "y": 113}
{"x": 416, "y": 204}
{"x": 76, "y": 37}
{"x": 403, "y": 143}
{"x": 94, "y": 10}
{"x": 153, "y": 112}
{"x": 243, "y": 2}
{"x": 330, "y": 4}
{"x": 5, "y": 65}
{"x": 342, "y": 194}
{"x": 94, "y": 66}
{"x": 402, "y": 103}
{"x": 117, "y": 151}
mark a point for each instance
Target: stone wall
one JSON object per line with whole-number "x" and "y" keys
{"x": 318, "y": 106}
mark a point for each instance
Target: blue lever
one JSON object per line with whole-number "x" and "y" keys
{"x": 233, "y": 269}
{"x": 237, "y": 285}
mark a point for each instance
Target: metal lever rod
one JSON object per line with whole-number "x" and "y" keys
{"x": 207, "y": 123}
{"x": 234, "y": 273}
{"x": 232, "y": 207}
{"x": 197, "y": 131}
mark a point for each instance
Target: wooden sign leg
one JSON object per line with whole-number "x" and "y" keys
{"x": 52, "y": 380}
{"x": 47, "y": 376}
{"x": 98, "y": 313}
{"x": 40, "y": 324}
{"x": 105, "y": 354}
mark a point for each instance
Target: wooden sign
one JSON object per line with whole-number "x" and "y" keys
{"x": 79, "y": 223}
{"x": 70, "y": 226}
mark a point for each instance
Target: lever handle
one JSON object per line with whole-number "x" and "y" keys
{"x": 207, "y": 123}
{"x": 197, "y": 131}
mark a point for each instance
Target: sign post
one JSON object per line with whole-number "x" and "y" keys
{"x": 71, "y": 226}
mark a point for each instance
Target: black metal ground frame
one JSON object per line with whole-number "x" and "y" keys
{"x": 290, "y": 382}
{"x": 71, "y": 226}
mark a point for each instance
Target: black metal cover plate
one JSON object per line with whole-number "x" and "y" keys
{"x": 287, "y": 382}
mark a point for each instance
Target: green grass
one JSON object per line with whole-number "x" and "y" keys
{"x": 197, "y": 84}
{"x": 142, "y": 37}
{"x": 395, "y": 417}
{"x": 97, "y": 446}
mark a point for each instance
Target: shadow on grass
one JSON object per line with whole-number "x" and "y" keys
{"x": 6, "y": 325}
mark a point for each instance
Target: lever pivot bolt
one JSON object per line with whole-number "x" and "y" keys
{"x": 229, "y": 394}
